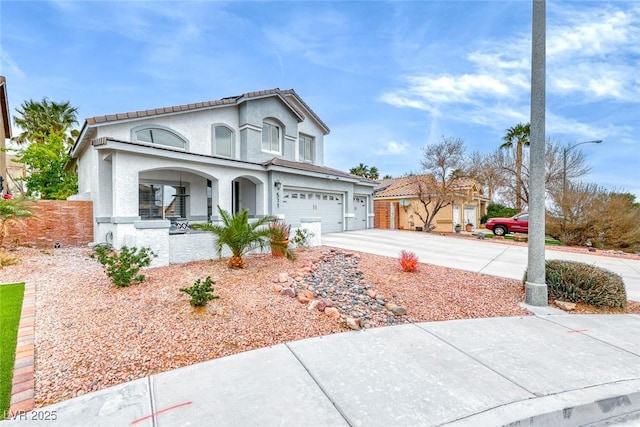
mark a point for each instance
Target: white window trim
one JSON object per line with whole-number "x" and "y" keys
{"x": 185, "y": 185}
{"x": 214, "y": 142}
{"x": 311, "y": 148}
{"x": 137, "y": 129}
{"x": 280, "y": 136}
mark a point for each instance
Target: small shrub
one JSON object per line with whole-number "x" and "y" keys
{"x": 279, "y": 230}
{"x": 6, "y": 259}
{"x": 408, "y": 261}
{"x": 200, "y": 292}
{"x": 123, "y": 266}
{"x": 302, "y": 237}
{"x": 580, "y": 282}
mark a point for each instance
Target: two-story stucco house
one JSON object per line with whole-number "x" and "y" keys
{"x": 263, "y": 151}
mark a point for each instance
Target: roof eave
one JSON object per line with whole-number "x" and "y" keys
{"x": 4, "y": 106}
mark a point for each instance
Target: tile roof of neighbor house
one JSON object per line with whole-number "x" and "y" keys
{"x": 315, "y": 168}
{"x": 406, "y": 186}
{"x": 4, "y": 107}
{"x": 230, "y": 100}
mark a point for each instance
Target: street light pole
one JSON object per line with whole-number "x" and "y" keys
{"x": 536, "y": 292}
{"x": 565, "y": 151}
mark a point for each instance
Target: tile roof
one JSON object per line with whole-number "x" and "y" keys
{"x": 308, "y": 167}
{"x": 230, "y": 100}
{"x": 408, "y": 186}
{"x": 315, "y": 168}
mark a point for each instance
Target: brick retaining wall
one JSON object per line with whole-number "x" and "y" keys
{"x": 66, "y": 222}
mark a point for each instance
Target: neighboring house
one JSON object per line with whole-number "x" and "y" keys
{"x": 5, "y": 130}
{"x": 263, "y": 151}
{"x": 396, "y": 204}
{"x": 16, "y": 173}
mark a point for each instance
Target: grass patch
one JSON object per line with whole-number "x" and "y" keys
{"x": 10, "y": 307}
{"x": 548, "y": 240}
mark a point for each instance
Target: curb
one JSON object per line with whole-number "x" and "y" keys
{"x": 582, "y": 407}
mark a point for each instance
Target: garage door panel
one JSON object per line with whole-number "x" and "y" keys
{"x": 299, "y": 204}
{"x": 360, "y": 212}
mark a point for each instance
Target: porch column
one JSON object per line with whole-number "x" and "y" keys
{"x": 224, "y": 195}
{"x": 124, "y": 183}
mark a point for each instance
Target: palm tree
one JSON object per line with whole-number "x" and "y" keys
{"x": 13, "y": 211}
{"x": 360, "y": 170}
{"x": 39, "y": 119}
{"x": 518, "y": 135}
{"x": 373, "y": 173}
{"x": 240, "y": 235}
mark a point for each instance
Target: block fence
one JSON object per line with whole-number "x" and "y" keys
{"x": 62, "y": 223}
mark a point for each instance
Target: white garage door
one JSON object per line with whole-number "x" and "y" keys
{"x": 304, "y": 204}
{"x": 360, "y": 212}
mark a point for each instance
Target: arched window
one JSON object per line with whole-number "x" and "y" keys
{"x": 223, "y": 141}
{"x": 160, "y": 136}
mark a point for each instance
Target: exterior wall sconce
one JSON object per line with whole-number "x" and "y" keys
{"x": 278, "y": 185}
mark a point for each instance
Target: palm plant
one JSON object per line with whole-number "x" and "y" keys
{"x": 374, "y": 173}
{"x": 39, "y": 119}
{"x": 518, "y": 135}
{"x": 13, "y": 211}
{"x": 239, "y": 234}
{"x": 360, "y": 170}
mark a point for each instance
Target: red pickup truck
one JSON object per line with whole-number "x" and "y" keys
{"x": 515, "y": 224}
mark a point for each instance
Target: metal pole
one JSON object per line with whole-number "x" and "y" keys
{"x": 564, "y": 189}
{"x": 535, "y": 286}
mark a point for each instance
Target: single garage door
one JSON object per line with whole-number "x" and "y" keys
{"x": 360, "y": 212}
{"x": 304, "y": 204}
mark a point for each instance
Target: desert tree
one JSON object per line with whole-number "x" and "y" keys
{"x": 442, "y": 169}
{"x": 554, "y": 173}
{"x": 487, "y": 171}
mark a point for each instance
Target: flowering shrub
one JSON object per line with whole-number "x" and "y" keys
{"x": 408, "y": 261}
{"x": 200, "y": 292}
{"x": 123, "y": 266}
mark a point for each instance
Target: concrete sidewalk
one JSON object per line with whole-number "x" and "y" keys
{"x": 568, "y": 370}
{"x": 480, "y": 256}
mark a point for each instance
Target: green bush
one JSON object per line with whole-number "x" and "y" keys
{"x": 495, "y": 210}
{"x": 200, "y": 292}
{"x": 302, "y": 237}
{"x": 580, "y": 282}
{"x": 123, "y": 266}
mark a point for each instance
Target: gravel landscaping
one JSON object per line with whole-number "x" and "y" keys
{"x": 91, "y": 335}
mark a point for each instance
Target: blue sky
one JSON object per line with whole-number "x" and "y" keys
{"x": 387, "y": 77}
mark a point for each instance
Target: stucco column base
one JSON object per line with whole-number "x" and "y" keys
{"x": 536, "y": 294}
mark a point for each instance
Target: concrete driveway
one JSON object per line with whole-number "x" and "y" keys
{"x": 480, "y": 256}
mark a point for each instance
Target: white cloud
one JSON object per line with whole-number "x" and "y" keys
{"x": 394, "y": 147}
{"x": 7, "y": 60}
{"x": 592, "y": 56}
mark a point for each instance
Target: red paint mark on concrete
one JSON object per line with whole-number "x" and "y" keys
{"x": 160, "y": 412}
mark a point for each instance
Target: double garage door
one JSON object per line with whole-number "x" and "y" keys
{"x": 299, "y": 204}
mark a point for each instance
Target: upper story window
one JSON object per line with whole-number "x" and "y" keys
{"x": 161, "y": 137}
{"x": 271, "y": 137}
{"x": 223, "y": 141}
{"x": 306, "y": 148}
